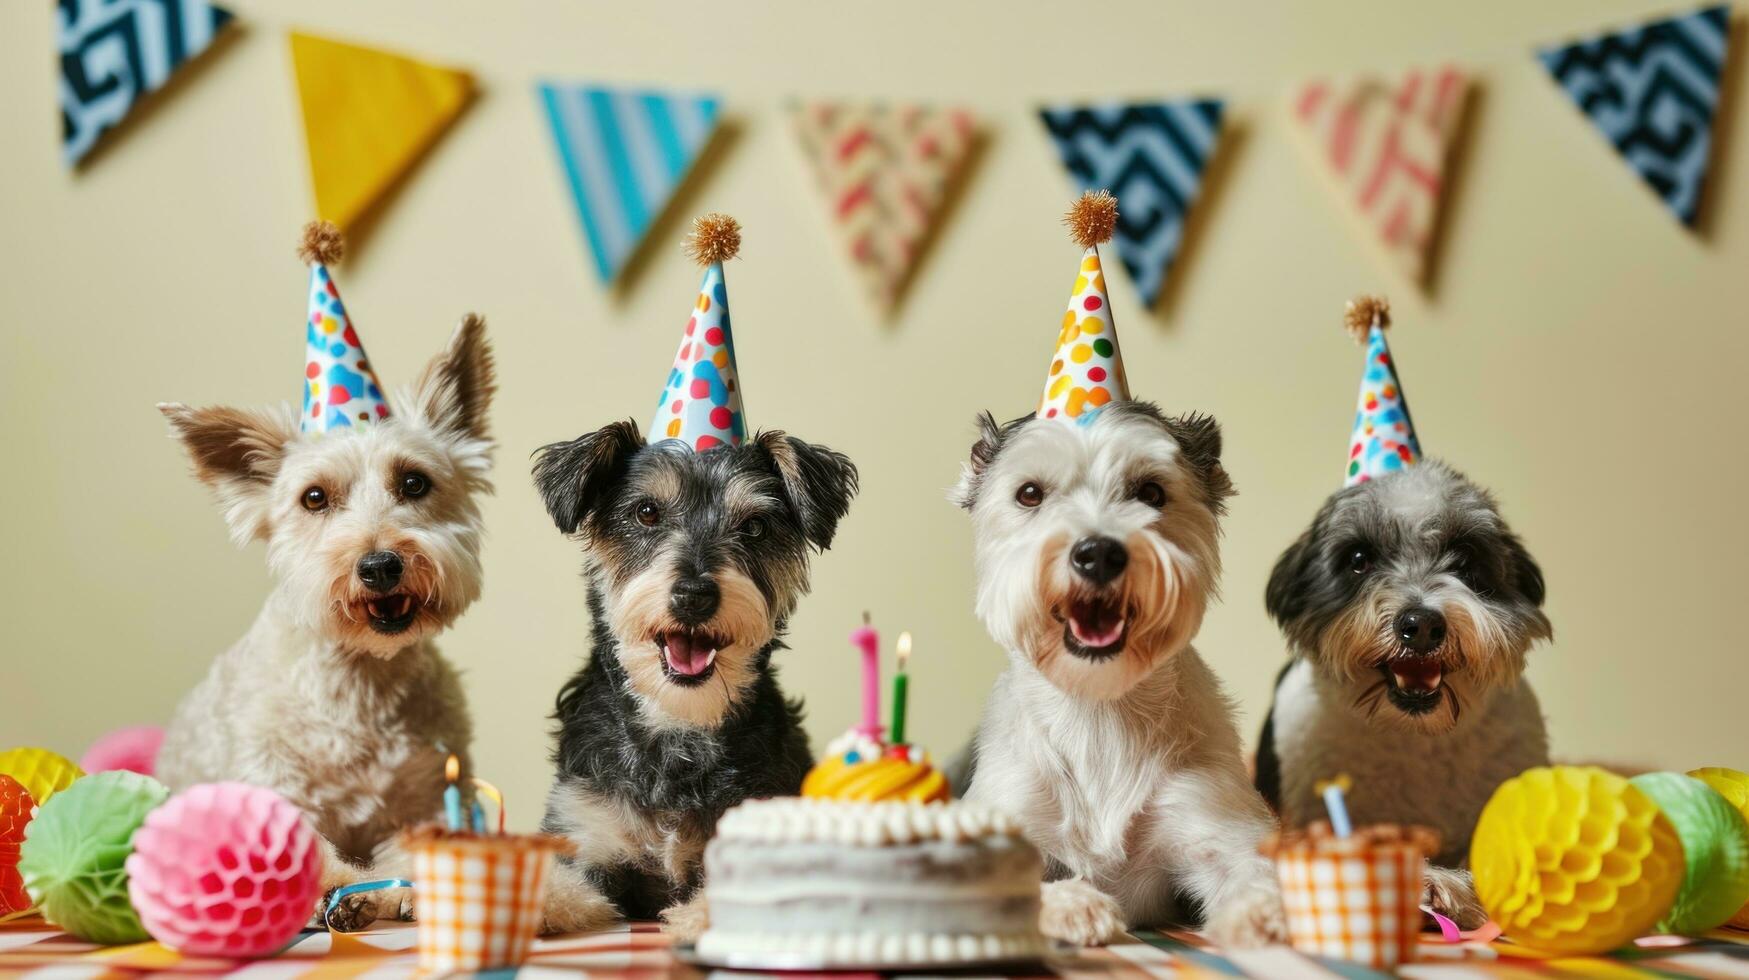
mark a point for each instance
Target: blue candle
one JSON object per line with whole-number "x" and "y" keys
{"x": 1332, "y": 789}
{"x": 452, "y": 797}
{"x": 479, "y": 818}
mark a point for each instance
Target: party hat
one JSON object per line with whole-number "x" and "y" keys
{"x": 1087, "y": 371}
{"x": 1384, "y": 437}
{"x": 340, "y": 386}
{"x": 701, "y": 403}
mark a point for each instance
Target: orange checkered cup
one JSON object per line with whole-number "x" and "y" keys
{"x": 478, "y": 896}
{"x": 1354, "y": 898}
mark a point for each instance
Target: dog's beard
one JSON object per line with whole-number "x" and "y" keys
{"x": 1391, "y": 686}
{"x": 440, "y": 579}
{"x": 687, "y": 676}
{"x": 1099, "y": 642}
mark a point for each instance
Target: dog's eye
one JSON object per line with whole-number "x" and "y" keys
{"x": 648, "y": 513}
{"x": 754, "y": 527}
{"x": 1360, "y": 561}
{"x": 1030, "y": 495}
{"x": 315, "y": 499}
{"x": 413, "y": 485}
{"x": 1152, "y": 494}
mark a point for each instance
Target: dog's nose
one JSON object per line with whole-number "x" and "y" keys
{"x": 1421, "y": 630}
{"x": 380, "y": 571}
{"x": 1099, "y": 559}
{"x": 694, "y": 600}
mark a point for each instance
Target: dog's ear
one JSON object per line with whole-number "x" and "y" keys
{"x": 238, "y": 453}
{"x": 1285, "y": 596}
{"x": 572, "y": 477}
{"x": 453, "y": 394}
{"x": 1199, "y": 438}
{"x": 818, "y": 482}
{"x": 965, "y": 492}
{"x": 1526, "y": 575}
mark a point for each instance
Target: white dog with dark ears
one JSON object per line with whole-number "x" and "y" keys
{"x": 1097, "y": 525}
{"x": 336, "y": 697}
{"x": 1409, "y": 606}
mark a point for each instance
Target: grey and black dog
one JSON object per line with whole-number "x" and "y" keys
{"x": 1408, "y": 607}
{"x": 694, "y": 562}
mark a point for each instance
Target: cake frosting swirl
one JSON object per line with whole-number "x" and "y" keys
{"x": 902, "y": 773}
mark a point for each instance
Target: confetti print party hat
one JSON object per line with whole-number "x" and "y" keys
{"x": 1087, "y": 371}
{"x": 1384, "y": 438}
{"x": 701, "y": 403}
{"x": 340, "y": 387}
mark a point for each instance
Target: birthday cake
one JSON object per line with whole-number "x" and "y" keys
{"x": 874, "y": 865}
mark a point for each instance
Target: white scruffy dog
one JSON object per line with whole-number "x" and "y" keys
{"x": 336, "y": 697}
{"x": 1108, "y": 736}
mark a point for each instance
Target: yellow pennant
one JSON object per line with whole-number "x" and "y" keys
{"x": 369, "y": 116}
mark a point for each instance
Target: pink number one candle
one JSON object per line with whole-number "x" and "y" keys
{"x": 868, "y": 641}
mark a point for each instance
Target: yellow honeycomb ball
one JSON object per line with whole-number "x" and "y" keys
{"x": 1733, "y": 786}
{"x": 42, "y": 772}
{"x": 1574, "y": 859}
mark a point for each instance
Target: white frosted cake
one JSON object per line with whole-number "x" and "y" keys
{"x": 834, "y": 881}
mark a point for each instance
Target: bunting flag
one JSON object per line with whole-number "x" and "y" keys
{"x": 369, "y": 116}
{"x": 1151, "y": 156}
{"x": 115, "y": 52}
{"x": 1387, "y": 148}
{"x": 625, "y": 154}
{"x": 886, "y": 172}
{"x": 1651, "y": 92}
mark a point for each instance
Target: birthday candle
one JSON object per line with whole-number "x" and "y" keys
{"x": 452, "y": 797}
{"x": 1332, "y": 789}
{"x": 491, "y": 793}
{"x": 901, "y": 681}
{"x": 868, "y": 641}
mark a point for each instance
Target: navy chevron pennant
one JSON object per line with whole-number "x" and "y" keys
{"x": 1651, "y": 91}
{"x": 114, "y": 52}
{"x": 1151, "y": 155}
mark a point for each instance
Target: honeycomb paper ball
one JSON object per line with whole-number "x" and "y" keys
{"x": 225, "y": 869}
{"x": 1575, "y": 859}
{"x": 15, "y": 810}
{"x": 74, "y": 850}
{"x": 42, "y": 772}
{"x": 134, "y": 749}
{"x": 1733, "y": 786}
{"x": 1715, "y": 847}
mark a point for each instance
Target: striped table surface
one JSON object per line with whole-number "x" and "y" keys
{"x": 33, "y": 949}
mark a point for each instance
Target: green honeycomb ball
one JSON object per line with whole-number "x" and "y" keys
{"x": 1715, "y": 844}
{"x": 73, "y": 854}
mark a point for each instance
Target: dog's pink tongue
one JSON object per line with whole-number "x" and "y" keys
{"x": 1095, "y": 624}
{"x": 1418, "y": 674}
{"x": 687, "y": 655}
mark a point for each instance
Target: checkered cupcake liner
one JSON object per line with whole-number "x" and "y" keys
{"x": 1356, "y": 899}
{"x": 477, "y": 897}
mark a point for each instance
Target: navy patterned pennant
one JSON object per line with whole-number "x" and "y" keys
{"x": 1651, "y": 92}
{"x": 1151, "y": 156}
{"x": 114, "y": 52}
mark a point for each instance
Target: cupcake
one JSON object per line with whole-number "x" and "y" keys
{"x": 478, "y": 896}
{"x": 1354, "y": 898}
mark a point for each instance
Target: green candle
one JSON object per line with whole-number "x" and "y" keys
{"x": 900, "y": 682}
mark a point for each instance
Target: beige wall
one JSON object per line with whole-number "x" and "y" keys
{"x": 1580, "y": 355}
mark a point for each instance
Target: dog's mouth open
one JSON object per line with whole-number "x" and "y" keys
{"x": 689, "y": 657}
{"x": 1414, "y": 684}
{"x": 1094, "y": 627}
{"x": 392, "y": 613}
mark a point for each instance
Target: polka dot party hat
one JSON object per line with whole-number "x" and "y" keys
{"x": 340, "y": 386}
{"x": 701, "y": 402}
{"x": 1384, "y": 438}
{"x": 1087, "y": 369}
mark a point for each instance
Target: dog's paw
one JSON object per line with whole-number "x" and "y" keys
{"x": 576, "y": 908}
{"x": 352, "y": 913}
{"x": 1248, "y": 916}
{"x": 686, "y": 921}
{"x": 1452, "y": 893}
{"x": 1076, "y": 912}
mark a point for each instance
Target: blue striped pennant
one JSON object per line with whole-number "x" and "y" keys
{"x": 625, "y": 153}
{"x": 1151, "y": 156}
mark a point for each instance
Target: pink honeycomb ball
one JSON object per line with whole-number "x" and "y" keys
{"x": 225, "y": 869}
{"x": 134, "y": 749}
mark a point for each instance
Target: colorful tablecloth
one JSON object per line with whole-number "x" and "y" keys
{"x": 38, "y": 951}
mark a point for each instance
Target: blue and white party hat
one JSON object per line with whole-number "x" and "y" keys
{"x": 1384, "y": 436}
{"x": 340, "y": 386}
{"x": 701, "y": 402}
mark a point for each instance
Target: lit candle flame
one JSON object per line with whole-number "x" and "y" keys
{"x": 452, "y": 770}
{"x": 904, "y": 649}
